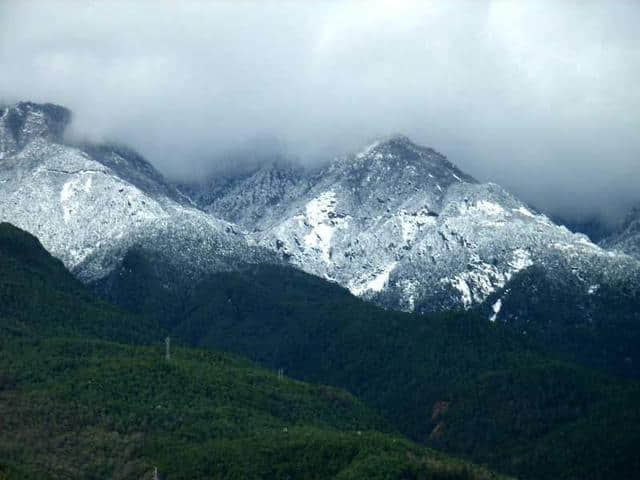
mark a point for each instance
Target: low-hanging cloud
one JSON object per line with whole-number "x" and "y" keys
{"x": 540, "y": 96}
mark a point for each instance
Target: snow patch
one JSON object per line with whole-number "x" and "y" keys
{"x": 524, "y": 212}
{"x": 584, "y": 240}
{"x": 483, "y": 279}
{"x": 367, "y": 150}
{"x": 409, "y": 293}
{"x": 520, "y": 260}
{"x": 496, "y": 307}
{"x": 565, "y": 247}
{"x": 460, "y": 284}
{"x": 376, "y": 284}
{"x": 379, "y": 282}
{"x": 490, "y": 208}
{"x": 412, "y": 223}
{"x": 477, "y": 284}
{"x": 71, "y": 189}
{"x": 320, "y": 216}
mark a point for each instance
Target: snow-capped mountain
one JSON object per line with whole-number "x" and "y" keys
{"x": 90, "y": 204}
{"x": 252, "y": 196}
{"x": 399, "y": 224}
{"x": 396, "y": 223}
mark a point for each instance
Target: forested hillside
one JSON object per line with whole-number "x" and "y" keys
{"x": 455, "y": 381}
{"x": 86, "y": 392}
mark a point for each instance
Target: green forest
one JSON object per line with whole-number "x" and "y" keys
{"x": 86, "y": 390}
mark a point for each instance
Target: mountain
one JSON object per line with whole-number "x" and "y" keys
{"x": 400, "y": 225}
{"x": 317, "y": 331}
{"x": 627, "y": 237}
{"x": 247, "y": 196}
{"x": 397, "y": 223}
{"x": 38, "y": 296}
{"x": 90, "y": 204}
{"x": 85, "y": 392}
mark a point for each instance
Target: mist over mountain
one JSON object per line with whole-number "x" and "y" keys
{"x": 539, "y": 97}
{"x": 420, "y": 219}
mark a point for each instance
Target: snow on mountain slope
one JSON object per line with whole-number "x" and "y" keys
{"x": 251, "y": 197}
{"x": 401, "y": 225}
{"x": 627, "y": 238}
{"x": 22, "y": 123}
{"x": 397, "y": 223}
{"x": 89, "y": 204}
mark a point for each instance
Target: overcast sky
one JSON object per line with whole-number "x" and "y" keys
{"x": 542, "y": 97}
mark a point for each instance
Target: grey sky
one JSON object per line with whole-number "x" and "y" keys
{"x": 540, "y": 96}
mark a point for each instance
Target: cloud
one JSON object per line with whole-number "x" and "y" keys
{"x": 540, "y": 96}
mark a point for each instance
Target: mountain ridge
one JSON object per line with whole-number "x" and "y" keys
{"x": 396, "y": 224}
{"x": 89, "y": 204}
{"x": 379, "y": 221}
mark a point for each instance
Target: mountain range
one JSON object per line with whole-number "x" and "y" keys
{"x": 397, "y": 223}
{"x": 469, "y": 320}
{"x": 90, "y": 204}
{"x": 400, "y": 225}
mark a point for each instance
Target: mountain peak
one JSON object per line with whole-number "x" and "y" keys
{"x": 396, "y": 142}
{"x": 398, "y": 153}
{"x": 25, "y": 121}
{"x": 396, "y": 139}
